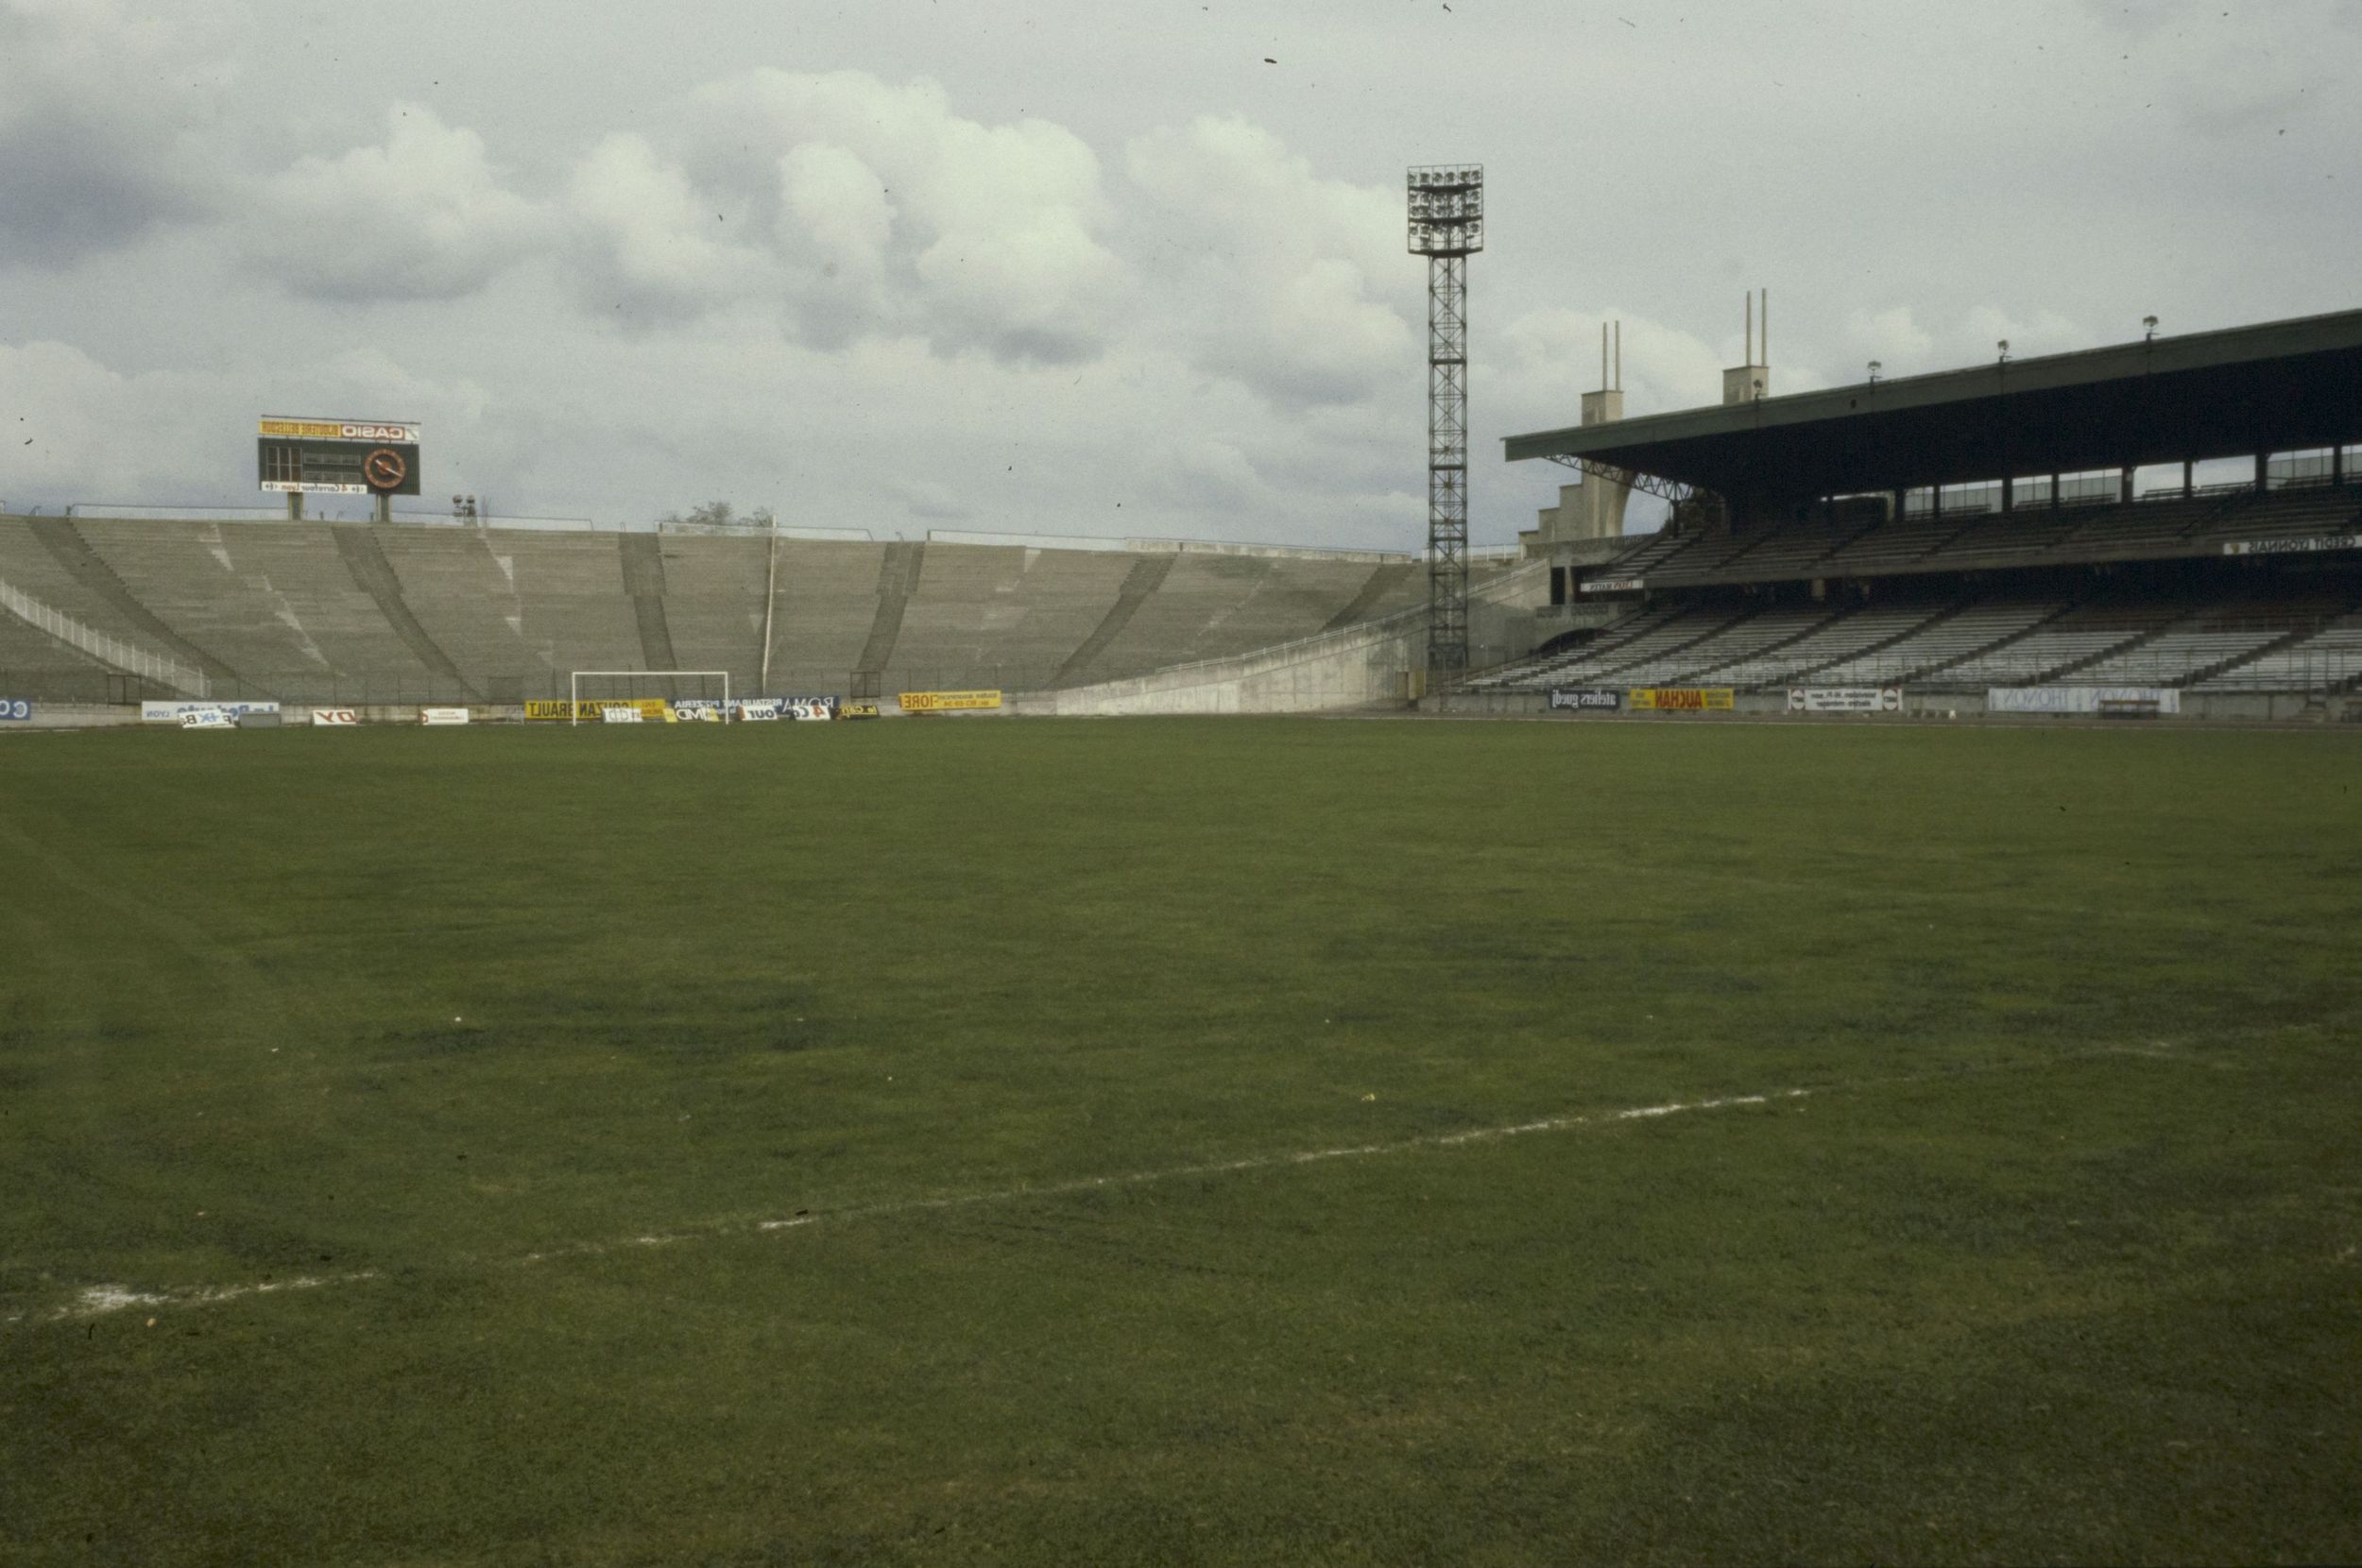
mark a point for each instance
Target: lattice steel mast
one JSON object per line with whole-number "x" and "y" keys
{"x": 1447, "y": 226}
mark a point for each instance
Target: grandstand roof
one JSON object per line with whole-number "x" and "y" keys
{"x": 2275, "y": 387}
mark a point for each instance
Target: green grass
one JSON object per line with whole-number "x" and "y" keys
{"x": 2056, "y": 1262}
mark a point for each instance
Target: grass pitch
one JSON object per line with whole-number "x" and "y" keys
{"x": 495, "y": 1052}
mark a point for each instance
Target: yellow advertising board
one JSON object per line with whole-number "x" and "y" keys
{"x": 857, "y": 710}
{"x": 946, "y": 702}
{"x": 651, "y": 709}
{"x": 1679, "y": 699}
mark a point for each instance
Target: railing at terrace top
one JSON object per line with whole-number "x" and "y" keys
{"x": 121, "y": 656}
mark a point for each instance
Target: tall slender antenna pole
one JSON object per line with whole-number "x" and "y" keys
{"x": 1447, "y": 226}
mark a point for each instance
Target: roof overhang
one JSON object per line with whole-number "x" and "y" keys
{"x": 2273, "y": 387}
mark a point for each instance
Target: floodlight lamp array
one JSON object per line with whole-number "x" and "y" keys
{"x": 1447, "y": 210}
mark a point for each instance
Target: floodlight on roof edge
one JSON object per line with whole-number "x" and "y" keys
{"x": 1446, "y": 217}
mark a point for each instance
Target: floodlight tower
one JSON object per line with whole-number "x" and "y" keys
{"x": 1447, "y": 226}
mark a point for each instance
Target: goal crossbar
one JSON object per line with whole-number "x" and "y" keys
{"x": 573, "y": 688}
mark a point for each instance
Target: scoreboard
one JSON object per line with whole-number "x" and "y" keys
{"x": 353, "y": 458}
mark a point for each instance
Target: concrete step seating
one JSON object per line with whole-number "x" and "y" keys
{"x": 1606, "y": 665}
{"x": 1841, "y": 640}
{"x": 2049, "y": 649}
{"x": 1940, "y": 643}
{"x": 1695, "y": 666}
{"x": 1540, "y": 674}
{"x": 2328, "y": 660}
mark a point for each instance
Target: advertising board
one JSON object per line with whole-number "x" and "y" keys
{"x": 857, "y": 710}
{"x": 947, "y": 702}
{"x": 154, "y": 712}
{"x": 2306, "y": 545}
{"x": 14, "y": 709}
{"x": 621, "y": 713}
{"x": 208, "y": 718}
{"x": 1845, "y": 699}
{"x": 1681, "y": 699}
{"x": 1613, "y": 585}
{"x": 2078, "y": 698}
{"x": 809, "y": 709}
{"x": 591, "y": 708}
{"x": 759, "y": 710}
{"x": 359, "y": 457}
{"x": 1585, "y": 701}
{"x": 333, "y": 718}
{"x": 442, "y": 715}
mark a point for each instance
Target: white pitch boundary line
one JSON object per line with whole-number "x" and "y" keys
{"x": 100, "y": 1301}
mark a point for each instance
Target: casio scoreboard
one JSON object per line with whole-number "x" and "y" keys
{"x": 352, "y": 458}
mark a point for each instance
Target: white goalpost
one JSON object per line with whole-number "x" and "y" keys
{"x": 574, "y": 689}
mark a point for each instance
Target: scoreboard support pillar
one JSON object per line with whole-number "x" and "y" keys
{"x": 295, "y": 505}
{"x": 385, "y": 508}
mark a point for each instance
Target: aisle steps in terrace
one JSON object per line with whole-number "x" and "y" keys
{"x": 107, "y": 602}
{"x": 1146, "y": 577}
{"x": 1384, "y": 582}
{"x": 898, "y": 574}
{"x": 2324, "y": 655}
{"x": 1868, "y": 628}
{"x": 1944, "y": 641}
{"x": 2045, "y": 653}
{"x": 1761, "y": 633}
{"x": 642, "y": 562}
{"x": 365, "y": 560}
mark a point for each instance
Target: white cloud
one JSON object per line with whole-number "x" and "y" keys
{"x": 1893, "y": 336}
{"x": 1272, "y": 273}
{"x": 655, "y": 248}
{"x": 100, "y": 114}
{"x": 72, "y": 427}
{"x": 424, "y": 216}
{"x": 888, "y": 214}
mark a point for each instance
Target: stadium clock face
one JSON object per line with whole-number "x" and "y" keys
{"x": 385, "y": 470}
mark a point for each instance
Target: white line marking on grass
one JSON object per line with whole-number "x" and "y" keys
{"x": 100, "y": 1300}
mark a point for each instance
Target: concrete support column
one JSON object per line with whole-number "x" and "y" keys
{"x": 295, "y": 505}
{"x": 2009, "y": 495}
{"x": 2263, "y": 473}
{"x": 2124, "y": 484}
{"x": 2189, "y": 479}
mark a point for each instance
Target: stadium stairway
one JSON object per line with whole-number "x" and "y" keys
{"x": 897, "y": 575}
{"x": 644, "y": 579}
{"x": 1147, "y": 575}
{"x": 133, "y": 621}
{"x": 365, "y": 557}
{"x": 2261, "y": 668}
{"x": 1384, "y": 582}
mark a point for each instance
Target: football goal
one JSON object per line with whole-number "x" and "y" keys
{"x": 630, "y": 687}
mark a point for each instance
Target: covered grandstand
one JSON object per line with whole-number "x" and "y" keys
{"x": 2180, "y": 514}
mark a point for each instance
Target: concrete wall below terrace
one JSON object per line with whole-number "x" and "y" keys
{"x": 1360, "y": 667}
{"x": 2197, "y": 707}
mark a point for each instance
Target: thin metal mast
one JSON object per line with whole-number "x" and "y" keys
{"x": 1447, "y": 226}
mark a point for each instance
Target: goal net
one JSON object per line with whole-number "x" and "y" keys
{"x": 647, "y": 693}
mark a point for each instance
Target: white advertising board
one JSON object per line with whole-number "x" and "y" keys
{"x": 442, "y": 715}
{"x": 2305, "y": 544}
{"x": 1845, "y": 699}
{"x": 759, "y": 710}
{"x": 208, "y": 718}
{"x": 332, "y": 718}
{"x": 2077, "y": 699}
{"x": 619, "y": 715}
{"x": 170, "y": 713}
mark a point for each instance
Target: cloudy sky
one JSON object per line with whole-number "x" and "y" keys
{"x": 1091, "y": 267}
